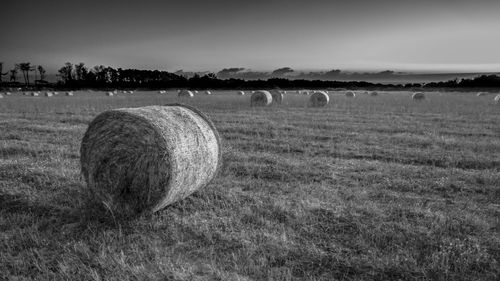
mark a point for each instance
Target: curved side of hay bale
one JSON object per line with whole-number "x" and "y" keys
{"x": 185, "y": 93}
{"x": 277, "y": 96}
{"x": 48, "y": 94}
{"x": 261, "y": 98}
{"x": 143, "y": 159}
{"x": 319, "y": 99}
{"x": 241, "y": 93}
{"x": 481, "y": 94}
{"x": 350, "y": 94}
{"x": 497, "y": 99}
{"x": 418, "y": 96}
{"x": 208, "y": 93}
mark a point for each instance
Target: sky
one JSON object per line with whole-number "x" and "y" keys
{"x": 355, "y": 35}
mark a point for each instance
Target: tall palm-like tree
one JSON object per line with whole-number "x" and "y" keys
{"x": 25, "y": 67}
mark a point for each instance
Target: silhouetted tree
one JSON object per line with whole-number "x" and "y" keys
{"x": 13, "y": 75}
{"x": 1, "y": 72}
{"x": 42, "y": 72}
{"x": 25, "y": 67}
{"x": 80, "y": 71}
{"x": 66, "y": 73}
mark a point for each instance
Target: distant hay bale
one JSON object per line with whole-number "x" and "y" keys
{"x": 138, "y": 160}
{"x": 305, "y": 92}
{"x": 185, "y": 93}
{"x": 208, "y": 93}
{"x": 241, "y": 93}
{"x": 277, "y": 96}
{"x": 48, "y": 94}
{"x": 497, "y": 99}
{"x": 319, "y": 99}
{"x": 34, "y": 94}
{"x": 418, "y": 96}
{"x": 8, "y": 93}
{"x": 481, "y": 94}
{"x": 1, "y": 96}
{"x": 26, "y": 94}
{"x": 261, "y": 98}
{"x": 110, "y": 94}
{"x": 350, "y": 94}
{"x": 69, "y": 93}
{"x": 373, "y": 94}
{"x": 195, "y": 92}
{"x": 56, "y": 93}
{"x": 162, "y": 92}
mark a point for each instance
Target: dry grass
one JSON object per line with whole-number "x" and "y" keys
{"x": 362, "y": 189}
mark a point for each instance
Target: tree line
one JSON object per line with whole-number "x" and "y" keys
{"x": 77, "y": 76}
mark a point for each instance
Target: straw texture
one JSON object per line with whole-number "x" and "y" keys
{"x": 261, "y": 98}
{"x": 185, "y": 93}
{"x": 143, "y": 159}
{"x": 277, "y": 96}
{"x": 418, "y": 96}
{"x": 319, "y": 99}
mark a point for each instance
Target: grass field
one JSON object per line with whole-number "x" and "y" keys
{"x": 370, "y": 188}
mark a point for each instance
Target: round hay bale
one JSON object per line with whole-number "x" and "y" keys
{"x": 110, "y": 94}
{"x": 241, "y": 93}
{"x": 277, "y": 96}
{"x": 481, "y": 94}
{"x": 497, "y": 99}
{"x": 350, "y": 94}
{"x": 161, "y": 92}
{"x": 8, "y": 93}
{"x": 418, "y": 96}
{"x": 261, "y": 98}
{"x": 34, "y": 94}
{"x": 143, "y": 159}
{"x": 1, "y": 96}
{"x": 373, "y": 94}
{"x": 185, "y": 93}
{"x": 208, "y": 93}
{"x": 69, "y": 93}
{"x": 195, "y": 92}
{"x": 48, "y": 94}
{"x": 319, "y": 99}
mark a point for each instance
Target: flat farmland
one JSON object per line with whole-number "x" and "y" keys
{"x": 366, "y": 188}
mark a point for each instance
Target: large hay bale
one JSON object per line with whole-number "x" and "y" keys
{"x": 1, "y": 96}
{"x": 418, "y": 96}
{"x": 34, "y": 94}
{"x": 481, "y": 94}
{"x": 208, "y": 93}
{"x": 69, "y": 93}
{"x": 241, "y": 93}
{"x": 48, "y": 94}
{"x": 185, "y": 93}
{"x": 110, "y": 94}
{"x": 277, "y": 96}
{"x": 350, "y": 94}
{"x": 143, "y": 159}
{"x": 497, "y": 99}
{"x": 261, "y": 98}
{"x": 319, "y": 99}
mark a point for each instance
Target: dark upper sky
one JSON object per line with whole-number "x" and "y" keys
{"x": 455, "y": 35}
